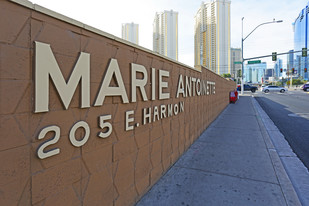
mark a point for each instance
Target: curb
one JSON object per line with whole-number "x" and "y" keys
{"x": 292, "y": 175}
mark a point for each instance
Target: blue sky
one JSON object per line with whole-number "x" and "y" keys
{"x": 109, "y": 15}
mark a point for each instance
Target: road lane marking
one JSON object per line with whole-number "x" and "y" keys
{"x": 303, "y": 115}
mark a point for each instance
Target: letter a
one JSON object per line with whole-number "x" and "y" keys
{"x": 107, "y": 90}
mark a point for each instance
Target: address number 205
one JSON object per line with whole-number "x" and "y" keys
{"x": 103, "y": 124}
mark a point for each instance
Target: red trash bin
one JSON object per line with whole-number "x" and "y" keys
{"x": 236, "y": 94}
{"x": 233, "y": 96}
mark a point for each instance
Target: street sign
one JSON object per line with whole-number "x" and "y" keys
{"x": 237, "y": 62}
{"x": 254, "y": 62}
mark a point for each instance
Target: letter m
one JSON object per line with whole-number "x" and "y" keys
{"x": 46, "y": 66}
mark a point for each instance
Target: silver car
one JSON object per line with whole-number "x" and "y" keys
{"x": 274, "y": 89}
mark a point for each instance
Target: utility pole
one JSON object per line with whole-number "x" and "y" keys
{"x": 291, "y": 81}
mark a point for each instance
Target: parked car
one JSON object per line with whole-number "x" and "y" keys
{"x": 247, "y": 87}
{"x": 306, "y": 87}
{"x": 271, "y": 88}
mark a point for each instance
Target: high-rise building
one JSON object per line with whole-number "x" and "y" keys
{"x": 212, "y": 36}
{"x": 277, "y": 67}
{"x": 301, "y": 40}
{"x": 290, "y": 60}
{"x": 165, "y": 34}
{"x": 253, "y": 73}
{"x": 235, "y": 61}
{"x": 269, "y": 73}
{"x": 130, "y": 32}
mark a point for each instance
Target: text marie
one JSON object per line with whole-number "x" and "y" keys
{"x": 46, "y": 69}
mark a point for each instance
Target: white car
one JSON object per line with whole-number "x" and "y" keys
{"x": 274, "y": 89}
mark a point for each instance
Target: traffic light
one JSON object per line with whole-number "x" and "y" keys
{"x": 293, "y": 71}
{"x": 281, "y": 70}
{"x": 304, "y": 52}
{"x": 305, "y": 69}
{"x": 274, "y": 56}
{"x": 239, "y": 73}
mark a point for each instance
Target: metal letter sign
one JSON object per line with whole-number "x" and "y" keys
{"x": 47, "y": 70}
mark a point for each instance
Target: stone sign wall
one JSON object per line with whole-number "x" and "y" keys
{"x": 87, "y": 118}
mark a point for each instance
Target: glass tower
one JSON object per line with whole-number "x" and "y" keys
{"x": 301, "y": 40}
{"x": 253, "y": 73}
{"x": 277, "y": 67}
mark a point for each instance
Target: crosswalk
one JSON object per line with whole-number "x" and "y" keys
{"x": 287, "y": 93}
{"x": 292, "y": 92}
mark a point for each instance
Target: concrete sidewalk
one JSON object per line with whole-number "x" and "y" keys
{"x": 232, "y": 163}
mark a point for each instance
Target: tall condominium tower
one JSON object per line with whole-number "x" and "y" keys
{"x": 130, "y": 32}
{"x": 165, "y": 34}
{"x": 212, "y": 37}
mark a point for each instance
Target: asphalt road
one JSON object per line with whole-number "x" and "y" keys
{"x": 290, "y": 113}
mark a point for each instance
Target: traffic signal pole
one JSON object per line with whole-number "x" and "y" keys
{"x": 242, "y": 47}
{"x": 272, "y": 55}
{"x": 291, "y": 80}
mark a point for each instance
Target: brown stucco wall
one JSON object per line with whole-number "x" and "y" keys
{"x": 117, "y": 170}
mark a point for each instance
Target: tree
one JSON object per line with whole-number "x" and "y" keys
{"x": 281, "y": 82}
{"x": 296, "y": 82}
{"x": 226, "y": 75}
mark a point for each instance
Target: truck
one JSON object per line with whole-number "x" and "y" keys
{"x": 247, "y": 87}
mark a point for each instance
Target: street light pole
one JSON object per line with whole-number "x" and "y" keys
{"x": 242, "y": 47}
{"x": 242, "y": 56}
